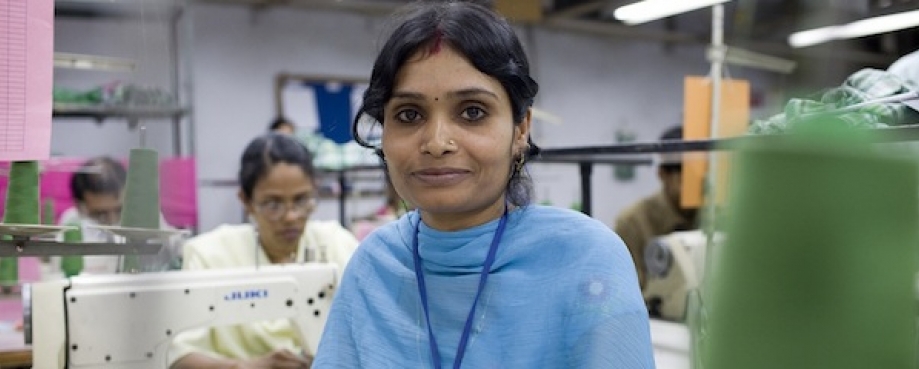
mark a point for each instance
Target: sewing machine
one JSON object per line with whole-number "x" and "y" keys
{"x": 675, "y": 265}
{"x": 128, "y": 321}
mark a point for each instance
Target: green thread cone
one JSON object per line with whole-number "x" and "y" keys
{"x": 142, "y": 191}
{"x": 142, "y": 198}
{"x": 47, "y": 212}
{"x": 22, "y": 201}
{"x": 22, "y": 207}
{"x": 9, "y": 271}
{"x": 47, "y": 215}
{"x": 130, "y": 264}
{"x": 818, "y": 269}
{"x": 72, "y": 265}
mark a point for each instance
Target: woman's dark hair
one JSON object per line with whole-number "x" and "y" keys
{"x": 672, "y": 133}
{"x": 279, "y": 122}
{"x": 267, "y": 150}
{"x": 485, "y": 39}
{"x": 100, "y": 175}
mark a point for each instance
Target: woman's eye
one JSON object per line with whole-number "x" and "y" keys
{"x": 271, "y": 205}
{"x": 473, "y": 113}
{"x": 407, "y": 115}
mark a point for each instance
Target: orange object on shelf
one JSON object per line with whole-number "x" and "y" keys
{"x": 734, "y": 119}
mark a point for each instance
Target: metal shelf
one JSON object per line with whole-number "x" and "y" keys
{"x": 27, "y": 247}
{"x": 605, "y": 152}
{"x": 126, "y": 112}
{"x": 113, "y": 9}
{"x": 587, "y": 156}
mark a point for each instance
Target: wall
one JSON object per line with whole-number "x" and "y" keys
{"x": 594, "y": 84}
{"x": 145, "y": 42}
{"x": 600, "y": 85}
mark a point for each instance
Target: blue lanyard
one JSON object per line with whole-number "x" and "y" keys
{"x": 419, "y": 274}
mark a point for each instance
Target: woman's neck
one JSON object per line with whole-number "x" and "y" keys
{"x": 454, "y": 221}
{"x": 279, "y": 254}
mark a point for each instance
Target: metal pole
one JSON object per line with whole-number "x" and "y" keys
{"x": 694, "y": 313}
{"x": 717, "y": 70}
{"x": 586, "y": 169}
{"x": 342, "y": 197}
{"x": 176, "y": 13}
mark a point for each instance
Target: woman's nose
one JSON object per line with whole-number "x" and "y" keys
{"x": 437, "y": 138}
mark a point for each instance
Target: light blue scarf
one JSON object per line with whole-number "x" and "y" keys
{"x": 562, "y": 294}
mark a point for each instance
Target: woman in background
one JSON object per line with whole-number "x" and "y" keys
{"x": 476, "y": 276}
{"x": 97, "y": 188}
{"x": 278, "y": 190}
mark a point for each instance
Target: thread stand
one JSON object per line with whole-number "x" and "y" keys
{"x": 33, "y": 240}
{"x": 138, "y": 234}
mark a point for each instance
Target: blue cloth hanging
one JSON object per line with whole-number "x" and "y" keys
{"x": 333, "y": 102}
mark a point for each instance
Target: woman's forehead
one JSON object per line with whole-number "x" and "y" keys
{"x": 284, "y": 177}
{"x": 447, "y": 70}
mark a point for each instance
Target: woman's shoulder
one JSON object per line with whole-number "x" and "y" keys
{"x": 70, "y": 216}
{"x": 326, "y": 228}
{"x": 222, "y": 236}
{"x": 389, "y": 240}
{"x": 567, "y": 233}
{"x": 561, "y": 222}
{"x": 330, "y": 235}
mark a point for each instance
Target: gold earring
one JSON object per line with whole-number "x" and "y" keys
{"x": 518, "y": 164}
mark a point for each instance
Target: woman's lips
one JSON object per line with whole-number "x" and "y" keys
{"x": 291, "y": 234}
{"x": 441, "y": 176}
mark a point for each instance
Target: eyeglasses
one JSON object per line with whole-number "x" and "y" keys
{"x": 276, "y": 209}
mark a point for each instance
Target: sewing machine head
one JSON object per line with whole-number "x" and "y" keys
{"x": 128, "y": 321}
{"x": 675, "y": 263}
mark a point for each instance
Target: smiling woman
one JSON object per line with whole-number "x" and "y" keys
{"x": 443, "y": 105}
{"x": 277, "y": 189}
{"x": 476, "y": 275}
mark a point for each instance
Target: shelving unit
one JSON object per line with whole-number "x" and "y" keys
{"x": 342, "y": 175}
{"x": 132, "y": 115}
{"x": 171, "y": 11}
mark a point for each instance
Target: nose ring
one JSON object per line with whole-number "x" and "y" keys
{"x": 452, "y": 143}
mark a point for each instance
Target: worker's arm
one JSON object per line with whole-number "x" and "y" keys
{"x": 631, "y": 233}
{"x": 196, "y": 360}
{"x": 276, "y": 359}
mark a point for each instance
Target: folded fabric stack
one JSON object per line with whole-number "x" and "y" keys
{"x": 861, "y": 87}
{"x": 329, "y": 155}
{"x": 115, "y": 94}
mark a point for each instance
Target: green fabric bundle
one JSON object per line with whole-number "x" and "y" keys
{"x": 862, "y": 86}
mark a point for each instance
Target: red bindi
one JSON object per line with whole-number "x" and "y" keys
{"x": 437, "y": 41}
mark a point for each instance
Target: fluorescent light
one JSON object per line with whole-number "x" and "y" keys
{"x": 860, "y": 28}
{"x": 649, "y": 10}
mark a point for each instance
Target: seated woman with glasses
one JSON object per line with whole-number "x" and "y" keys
{"x": 278, "y": 190}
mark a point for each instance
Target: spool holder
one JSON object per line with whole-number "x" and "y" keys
{"x": 33, "y": 240}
